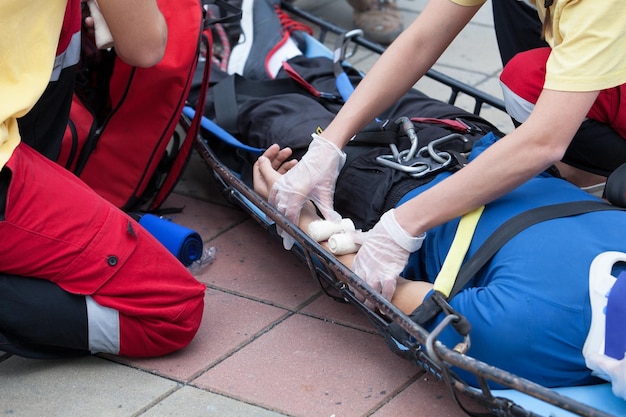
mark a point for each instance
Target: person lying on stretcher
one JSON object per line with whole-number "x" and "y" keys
{"x": 530, "y": 306}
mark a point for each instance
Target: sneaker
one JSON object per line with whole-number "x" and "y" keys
{"x": 380, "y": 20}
{"x": 269, "y": 37}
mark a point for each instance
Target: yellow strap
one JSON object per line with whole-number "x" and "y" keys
{"x": 451, "y": 265}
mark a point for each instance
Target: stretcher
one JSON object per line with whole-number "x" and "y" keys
{"x": 520, "y": 397}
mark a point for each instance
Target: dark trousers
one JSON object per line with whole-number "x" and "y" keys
{"x": 517, "y": 26}
{"x": 43, "y": 127}
{"x": 37, "y": 318}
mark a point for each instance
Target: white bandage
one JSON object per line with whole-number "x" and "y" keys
{"x": 342, "y": 244}
{"x": 321, "y": 230}
{"x": 104, "y": 40}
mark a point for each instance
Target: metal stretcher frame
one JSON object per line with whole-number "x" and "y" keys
{"x": 339, "y": 282}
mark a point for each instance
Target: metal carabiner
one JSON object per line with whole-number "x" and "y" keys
{"x": 342, "y": 81}
{"x": 409, "y": 129}
{"x": 435, "y": 154}
{"x": 339, "y": 54}
{"x": 428, "y": 160}
{"x": 416, "y": 168}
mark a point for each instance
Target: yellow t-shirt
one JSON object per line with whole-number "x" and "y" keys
{"x": 588, "y": 40}
{"x": 29, "y": 33}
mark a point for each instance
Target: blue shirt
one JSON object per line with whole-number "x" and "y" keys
{"x": 529, "y": 307}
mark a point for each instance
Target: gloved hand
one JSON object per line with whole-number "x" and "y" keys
{"x": 312, "y": 178}
{"x": 384, "y": 255}
{"x": 613, "y": 369}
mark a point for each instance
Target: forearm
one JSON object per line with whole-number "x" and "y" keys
{"x": 406, "y": 60}
{"x": 408, "y": 295}
{"x": 527, "y": 151}
{"x": 138, "y": 29}
{"x": 486, "y": 178}
{"x": 309, "y": 215}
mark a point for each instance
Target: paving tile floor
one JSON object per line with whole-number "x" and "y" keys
{"x": 271, "y": 342}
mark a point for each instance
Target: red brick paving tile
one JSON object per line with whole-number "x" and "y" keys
{"x": 326, "y": 308}
{"x": 308, "y": 367}
{"x": 427, "y": 397}
{"x": 249, "y": 261}
{"x": 228, "y": 322}
{"x": 208, "y": 219}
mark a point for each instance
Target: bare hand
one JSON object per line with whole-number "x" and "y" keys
{"x": 270, "y": 167}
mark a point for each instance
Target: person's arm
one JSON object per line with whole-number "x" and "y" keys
{"x": 528, "y": 150}
{"x": 269, "y": 168}
{"x": 404, "y": 62}
{"x": 138, "y": 29}
{"x": 395, "y": 72}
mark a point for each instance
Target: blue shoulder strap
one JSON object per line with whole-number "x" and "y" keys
{"x": 220, "y": 133}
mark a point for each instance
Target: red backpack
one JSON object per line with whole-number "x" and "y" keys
{"x": 125, "y": 137}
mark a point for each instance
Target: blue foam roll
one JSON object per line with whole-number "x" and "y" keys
{"x": 184, "y": 243}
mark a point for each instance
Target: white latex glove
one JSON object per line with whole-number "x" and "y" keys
{"x": 313, "y": 178}
{"x": 612, "y": 369}
{"x": 384, "y": 255}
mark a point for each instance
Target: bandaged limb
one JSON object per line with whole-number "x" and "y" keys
{"x": 341, "y": 238}
{"x": 342, "y": 244}
{"x": 321, "y": 230}
{"x": 269, "y": 168}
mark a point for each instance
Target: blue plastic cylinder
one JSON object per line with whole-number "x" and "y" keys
{"x": 184, "y": 243}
